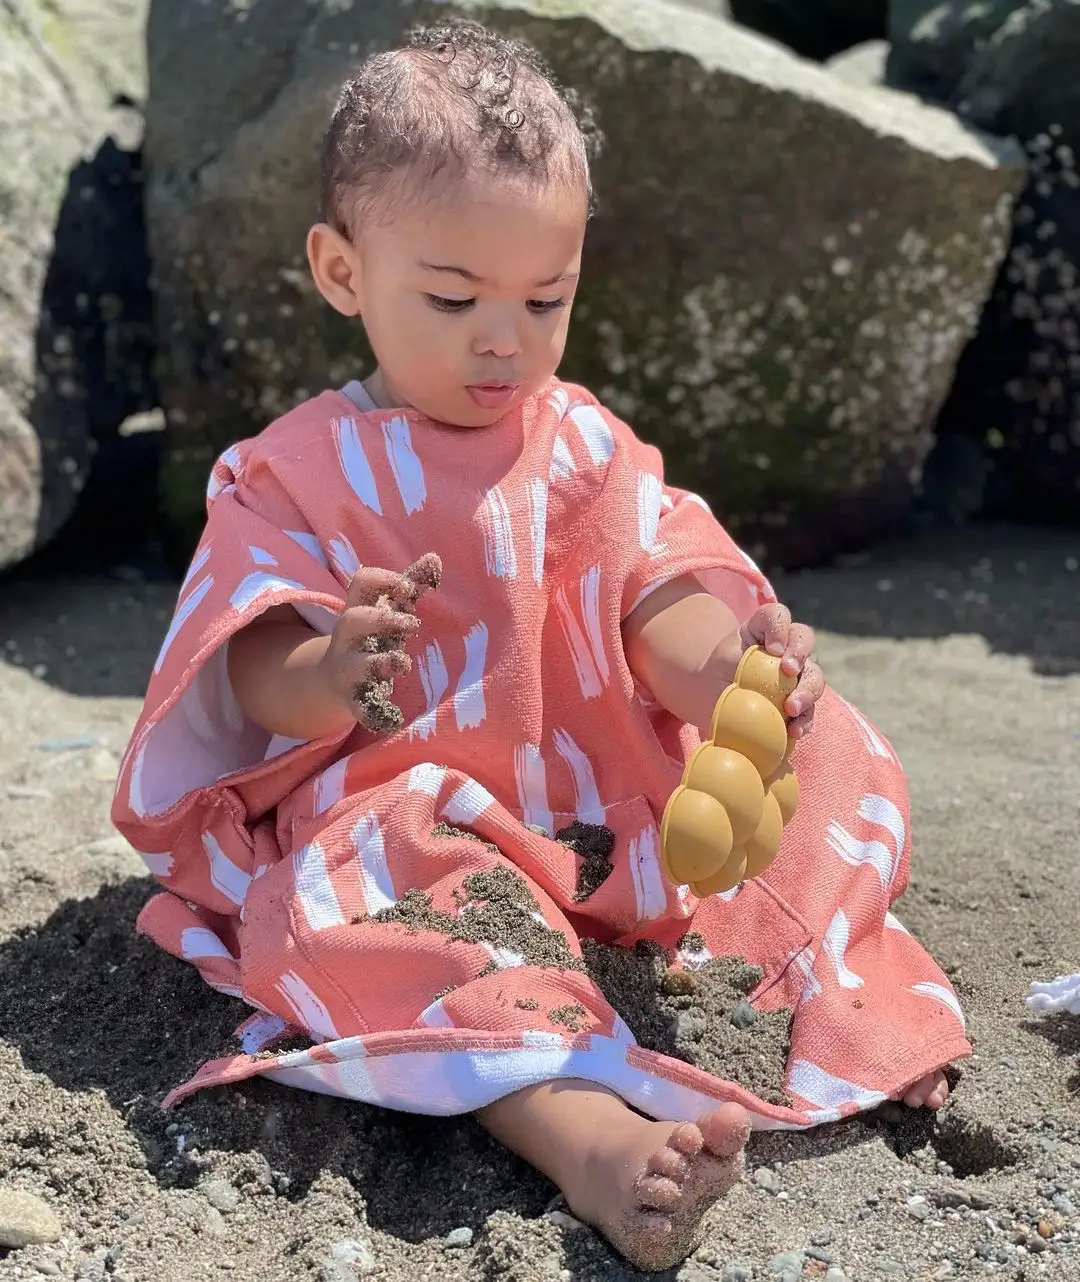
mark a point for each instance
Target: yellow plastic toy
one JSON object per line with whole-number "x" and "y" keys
{"x": 725, "y": 821}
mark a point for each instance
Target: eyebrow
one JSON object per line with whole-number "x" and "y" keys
{"x": 478, "y": 280}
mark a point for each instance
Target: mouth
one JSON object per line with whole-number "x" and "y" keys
{"x": 492, "y": 394}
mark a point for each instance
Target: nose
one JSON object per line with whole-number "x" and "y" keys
{"x": 499, "y": 337}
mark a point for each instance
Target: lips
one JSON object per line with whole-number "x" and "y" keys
{"x": 492, "y": 395}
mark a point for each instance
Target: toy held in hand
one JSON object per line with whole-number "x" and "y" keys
{"x": 725, "y": 821}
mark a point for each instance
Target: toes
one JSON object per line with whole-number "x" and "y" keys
{"x": 725, "y": 1130}
{"x": 915, "y": 1097}
{"x": 687, "y": 1140}
{"x": 657, "y": 1193}
{"x": 668, "y": 1163}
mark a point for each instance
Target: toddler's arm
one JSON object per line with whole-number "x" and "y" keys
{"x": 294, "y": 682}
{"x": 683, "y": 644}
{"x": 276, "y": 667}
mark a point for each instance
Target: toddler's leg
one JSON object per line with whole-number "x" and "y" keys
{"x": 645, "y": 1185}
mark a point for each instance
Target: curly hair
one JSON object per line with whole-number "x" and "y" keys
{"x": 455, "y": 99}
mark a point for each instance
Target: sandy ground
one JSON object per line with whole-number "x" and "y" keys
{"x": 966, "y": 651}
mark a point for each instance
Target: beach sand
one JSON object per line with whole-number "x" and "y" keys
{"x": 965, "y": 649}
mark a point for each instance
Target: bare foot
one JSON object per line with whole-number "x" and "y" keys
{"x": 645, "y": 1185}
{"x": 930, "y": 1091}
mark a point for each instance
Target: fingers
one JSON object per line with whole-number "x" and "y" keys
{"x": 799, "y": 648}
{"x": 811, "y": 687}
{"x": 355, "y": 669}
{"x": 769, "y": 628}
{"x": 369, "y": 585}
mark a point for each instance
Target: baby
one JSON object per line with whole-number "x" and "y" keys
{"x": 501, "y": 555}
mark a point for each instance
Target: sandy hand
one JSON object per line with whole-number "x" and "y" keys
{"x": 772, "y": 628}
{"x": 367, "y": 647}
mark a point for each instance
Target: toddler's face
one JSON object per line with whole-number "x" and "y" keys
{"x": 466, "y": 299}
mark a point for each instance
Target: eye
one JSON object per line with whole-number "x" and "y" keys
{"x": 449, "y": 305}
{"x": 538, "y": 306}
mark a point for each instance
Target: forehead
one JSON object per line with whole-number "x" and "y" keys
{"x": 503, "y": 232}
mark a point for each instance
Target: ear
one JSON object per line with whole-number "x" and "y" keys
{"x": 334, "y": 268}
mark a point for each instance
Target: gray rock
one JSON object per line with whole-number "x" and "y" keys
{"x": 353, "y": 1253}
{"x": 918, "y": 1208}
{"x": 736, "y": 1272}
{"x": 933, "y": 42}
{"x": 758, "y": 341}
{"x": 74, "y": 292}
{"x": 786, "y": 1262}
{"x": 26, "y": 1220}
{"x": 1023, "y": 79}
{"x": 744, "y": 1016}
{"x": 1063, "y": 1204}
{"x": 835, "y": 1275}
{"x": 460, "y": 1237}
{"x": 767, "y": 1179}
{"x": 221, "y": 1195}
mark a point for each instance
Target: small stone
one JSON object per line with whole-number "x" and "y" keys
{"x": 26, "y": 1220}
{"x": 836, "y": 1274}
{"x": 744, "y": 1016}
{"x": 767, "y": 1179}
{"x": 1045, "y": 1229}
{"x": 459, "y": 1237}
{"x": 1037, "y": 1245}
{"x": 786, "y": 1262}
{"x": 918, "y": 1208}
{"x": 688, "y": 1026}
{"x": 822, "y": 1237}
{"x": 213, "y": 1223}
{"x": 221, "y": 1195}
{"x": 354, "y": 1253}
{"x": 1062, "y": 1204}
{"x": 679, "y": 983}
{"x": 564, "y": 1221}
{"x": 955, "y": 1198}
{"x": 820, "y": 1254}
{"x": 736, "y": 1272}
{"x": 49, "y": 1268}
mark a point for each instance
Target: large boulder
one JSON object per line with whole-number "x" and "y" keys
{"x": 933, "y": 42}
{"x": 75, "y": 328}
{"x": 1012, "y": 67}
{"x": 781, "y": 277}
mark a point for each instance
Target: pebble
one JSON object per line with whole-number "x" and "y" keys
{"x": 918, "y": 1208}
{"x": 26, "y": 1220}
{"x": 836, "y": 1274}
{"x": 49, "y": 1268}
{"x": 786, "y": 1262}
{"x": 353, "y": 1253}
{"x": 767, "y": 1180}
{"x": 459, "y": 1237}
{"x": 822, "y": 1237}
{"x": 564, "y": 1221}
{"x": 744, "y": 1016}
{"x": 736, "y": 1273}
{"x": 221, "y": 1195}
{"x": 1062, "y": 1204}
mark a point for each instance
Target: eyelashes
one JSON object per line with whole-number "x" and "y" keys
{"x": 455, "y": 306}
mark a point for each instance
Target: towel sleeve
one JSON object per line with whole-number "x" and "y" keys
{"x": 198, "y": 775}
